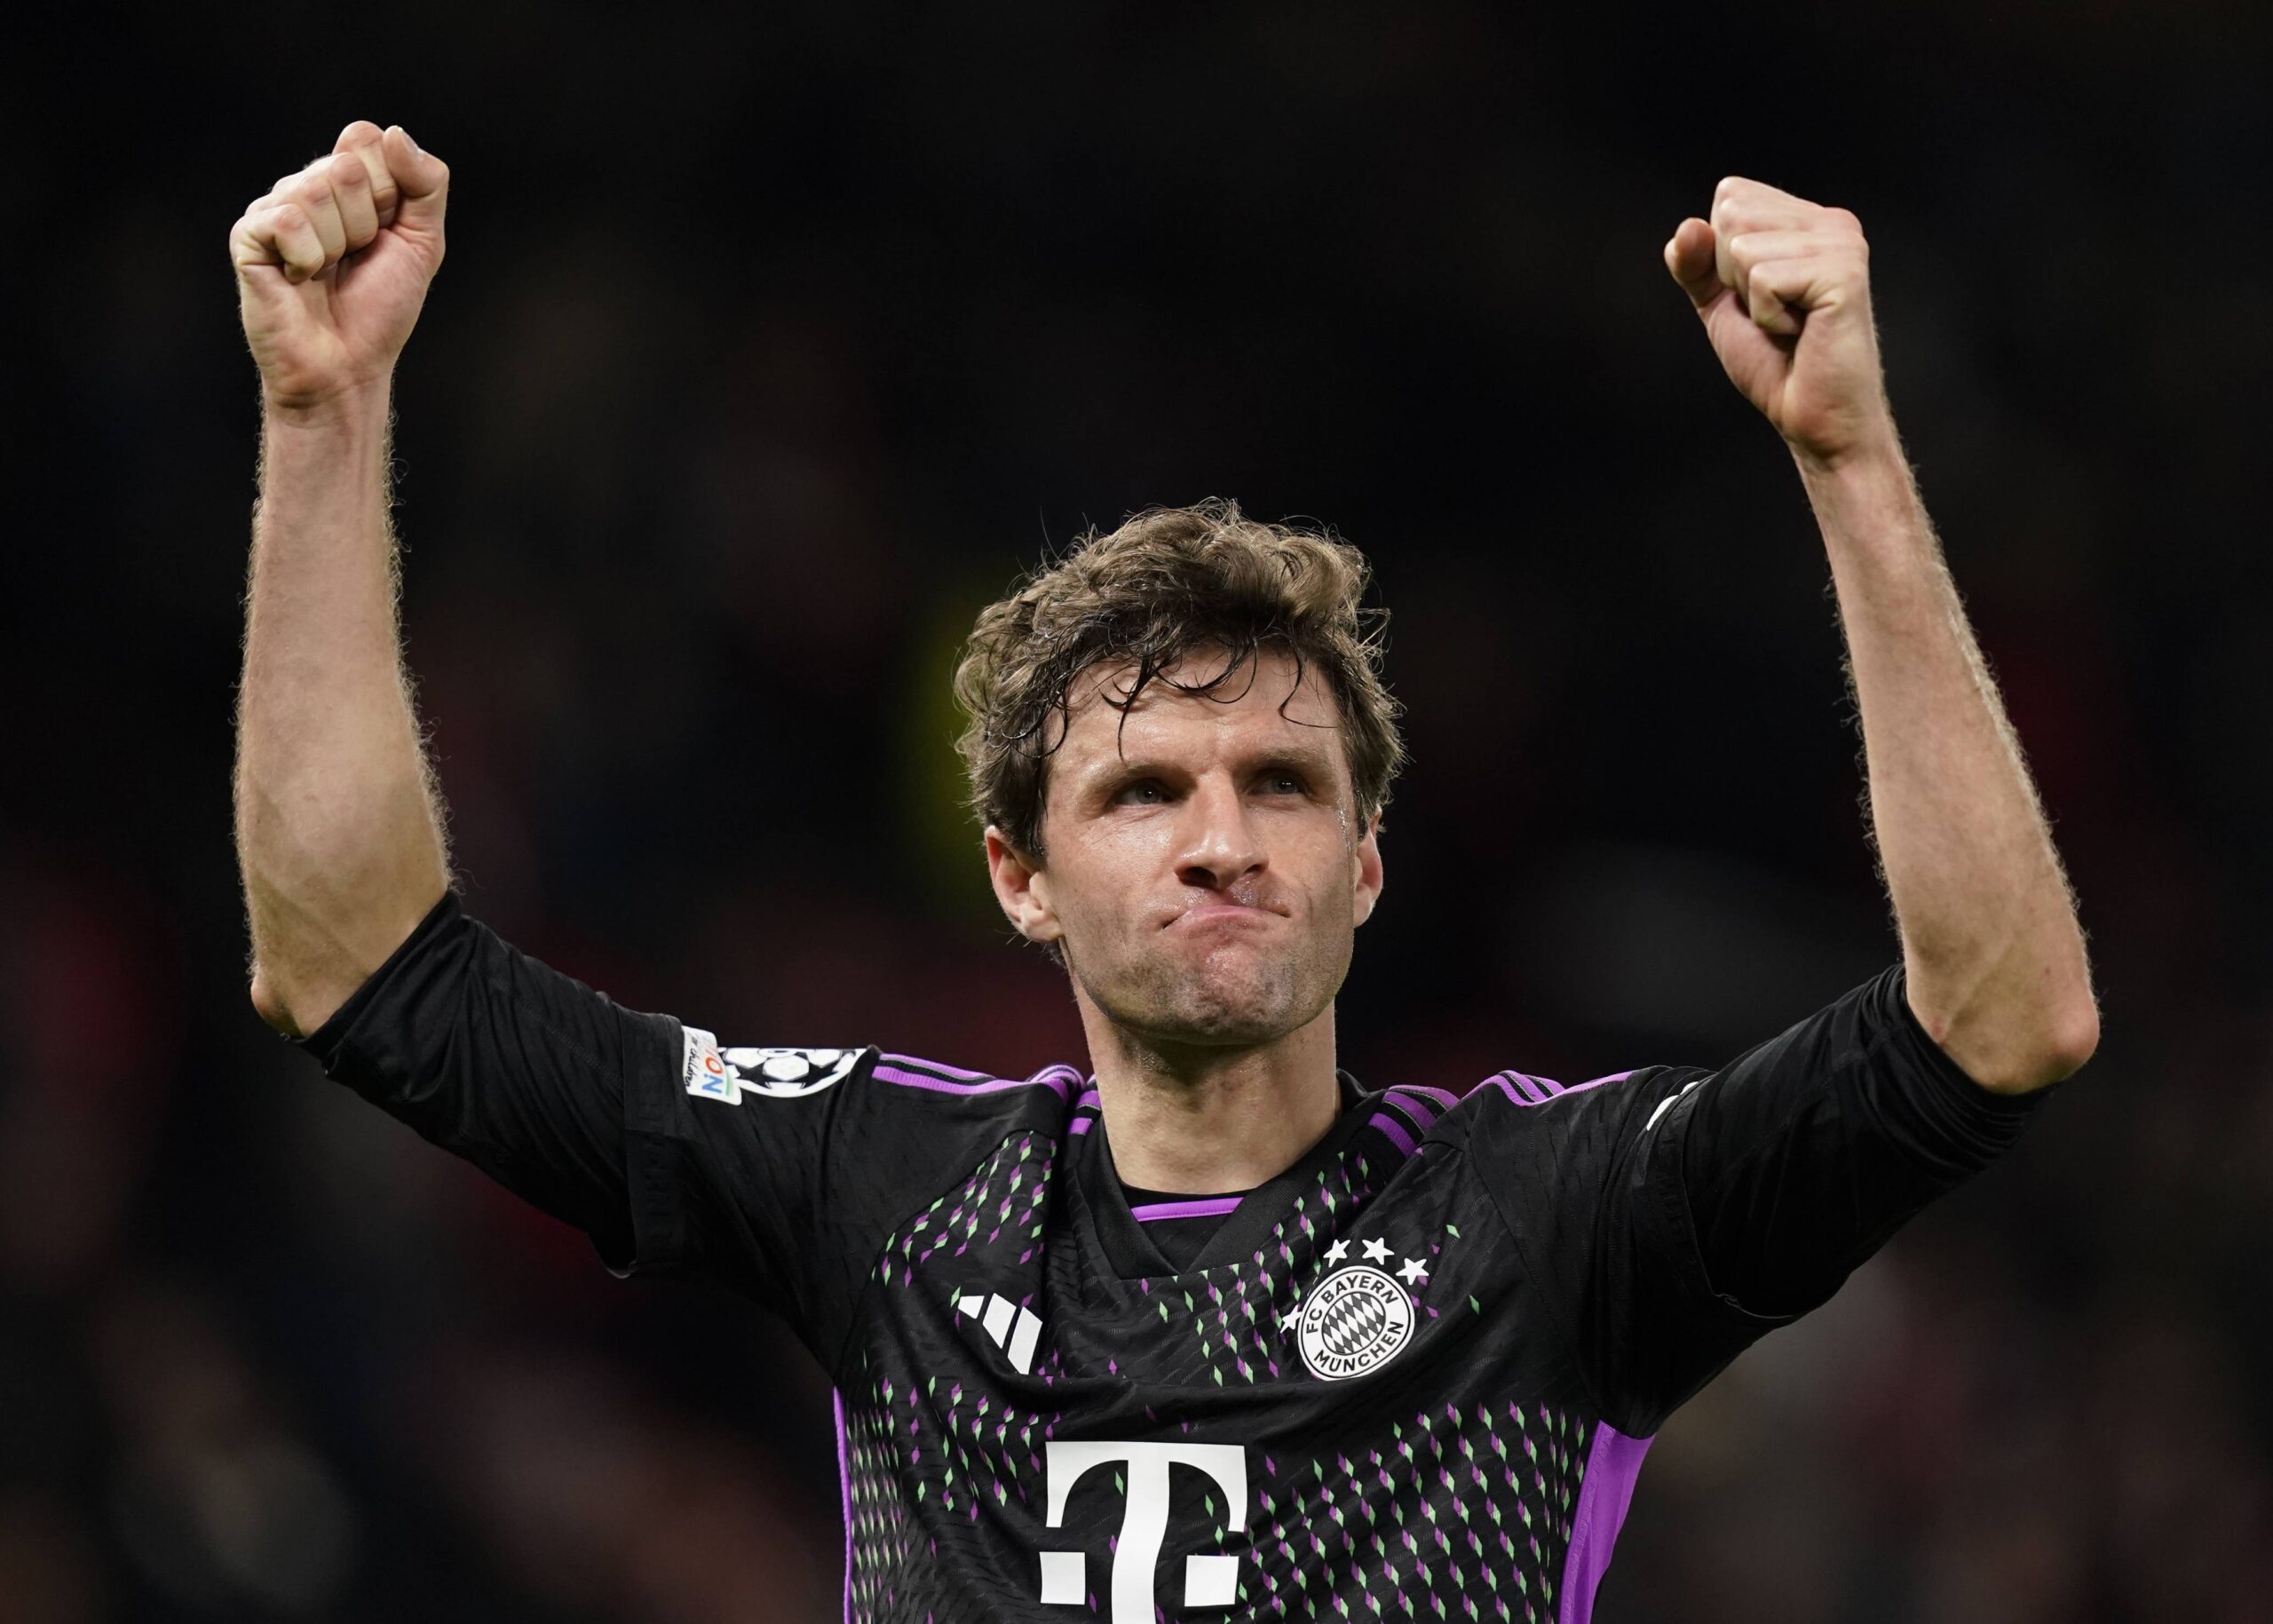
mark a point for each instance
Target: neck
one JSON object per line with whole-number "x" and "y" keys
{"x": 1189, "y": 1121}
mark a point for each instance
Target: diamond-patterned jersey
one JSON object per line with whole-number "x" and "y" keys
{"x": 1414, "y": 1374}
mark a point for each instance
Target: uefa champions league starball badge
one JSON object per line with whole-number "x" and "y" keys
{"x": 1354, "y": 1321}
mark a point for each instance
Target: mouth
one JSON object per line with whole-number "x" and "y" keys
{"x": 1216, "y": 912}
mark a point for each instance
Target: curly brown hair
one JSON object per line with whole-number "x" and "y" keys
{"x": 1168, "y": 582}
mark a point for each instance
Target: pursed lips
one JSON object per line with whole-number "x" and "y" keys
{"x": 1208, "y": 913}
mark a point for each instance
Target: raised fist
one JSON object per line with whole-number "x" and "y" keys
{"x": 333, "y": 263}
{"x": 1784, "y": 287}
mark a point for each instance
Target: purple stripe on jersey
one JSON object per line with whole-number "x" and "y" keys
{"x": 1058, "y": 1077}
{"x": 1514, "y": 1085}
{"x": 935, "y": 1065}
{"x": 1393, "y": 1131}
{"x": 1444, "y": 1099}
{"x": 1538, "y": 1091}
{"x": 1422, "y": 1111}
{"x": 1613, "y": 1464}
{"x": 844, "y": 1492}
{"x": 1088, "y": 1099}
{"x": 1081, "y": 1124}
{"x": 1203, "y": 1207}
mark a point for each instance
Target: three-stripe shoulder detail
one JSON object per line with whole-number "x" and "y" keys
{"x": 1526, "y": 1089}
{"x": 1408, "y": 1112}
{"x": 909, "y": 1072}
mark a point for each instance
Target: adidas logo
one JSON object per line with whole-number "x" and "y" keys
{"x": 1013, "y": 1329}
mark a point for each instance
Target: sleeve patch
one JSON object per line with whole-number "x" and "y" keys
{"x": 726, "y": 1074}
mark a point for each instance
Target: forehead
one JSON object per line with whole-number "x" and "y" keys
{"x": 1261, "y": 707}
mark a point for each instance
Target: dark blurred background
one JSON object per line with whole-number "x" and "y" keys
{"x": 772, "y": 344}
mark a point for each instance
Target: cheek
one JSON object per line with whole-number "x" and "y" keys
{"x": 1097, "y": 884}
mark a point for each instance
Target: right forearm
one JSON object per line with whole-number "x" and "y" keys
{"x": 338, "y": 835}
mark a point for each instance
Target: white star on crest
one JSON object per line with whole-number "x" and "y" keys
{"x": 1337, "y": 1252}
{"x": 1414, "y": 1271}
{"x": 1377, "y": 1251}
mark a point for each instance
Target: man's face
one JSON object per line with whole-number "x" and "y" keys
{"x": 1205, "y": 868}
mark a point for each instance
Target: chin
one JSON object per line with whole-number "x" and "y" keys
{"x": 1222, "y": 1007}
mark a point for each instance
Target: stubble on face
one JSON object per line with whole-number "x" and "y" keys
{"x": 1204, "y": 904}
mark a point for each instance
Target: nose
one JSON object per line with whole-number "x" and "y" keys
{"x": 1218, "y": 838}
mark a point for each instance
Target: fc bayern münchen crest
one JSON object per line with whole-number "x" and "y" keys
{"x": 1355, "y": 1320}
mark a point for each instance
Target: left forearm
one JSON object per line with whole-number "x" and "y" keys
{"x": 1994, "y": 955}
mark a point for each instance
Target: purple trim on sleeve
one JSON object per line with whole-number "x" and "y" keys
{"x": 844, "y": 1492}
{"x": 1203, "y": 1206}
{"x": 1088, "y": 1098}
{"x": 1081, "y": 1124}
{"x": 1393, "y": 1131}
{"x": 1613, "y": 1462}
{"x": 1058, "y": 1077}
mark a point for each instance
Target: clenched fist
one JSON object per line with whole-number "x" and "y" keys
{"x": 1784, "y": 287}
{"x": 333, "y": 265}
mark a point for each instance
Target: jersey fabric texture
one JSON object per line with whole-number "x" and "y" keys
{"x": 1414, "y": 1374}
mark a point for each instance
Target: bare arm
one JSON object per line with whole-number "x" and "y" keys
{"x": 338, "y": 834}
{"x": 1994, "y": 955}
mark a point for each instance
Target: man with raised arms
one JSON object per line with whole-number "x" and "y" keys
{"x": 1205, "y": 1325}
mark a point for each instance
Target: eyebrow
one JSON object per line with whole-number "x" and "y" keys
{"x": 1317, "y": 763}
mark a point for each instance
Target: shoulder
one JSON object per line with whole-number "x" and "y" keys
{"x": 1510, "y": 1103}
{"x": 1057, "y": 1097}
{"x": 880, "y": 1081}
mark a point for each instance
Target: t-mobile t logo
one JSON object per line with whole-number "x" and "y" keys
{"x": 1208, "y": 1581}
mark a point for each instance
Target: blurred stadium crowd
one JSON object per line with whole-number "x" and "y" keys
{"x": 770, "y": 348}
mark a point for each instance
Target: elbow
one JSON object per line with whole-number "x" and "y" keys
{"x": 2074, "y": 1038}
{"x": 2008, "y": 1040}
{"x": 2051, "y": 1048}
{"x": 269, "y": 1005}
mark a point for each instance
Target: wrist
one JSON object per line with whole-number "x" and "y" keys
{"x": 1868, "y": 462}
{"x": 354, "y": 407}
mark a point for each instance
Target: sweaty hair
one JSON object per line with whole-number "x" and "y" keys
{"x": 1169, "y": 583}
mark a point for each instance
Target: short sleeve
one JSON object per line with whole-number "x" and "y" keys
{"x": 1672, "y": 1215}
{"x": 519, "y": 1069}
{"x": 777, "y": 1170}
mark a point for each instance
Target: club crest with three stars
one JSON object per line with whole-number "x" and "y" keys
{"x": 1357, "y": 1318}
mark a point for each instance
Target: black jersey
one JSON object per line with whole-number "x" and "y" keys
{"x": 1414, "y": 1374}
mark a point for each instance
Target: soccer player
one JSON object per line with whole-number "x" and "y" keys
{"x": 1205, "y": 1327}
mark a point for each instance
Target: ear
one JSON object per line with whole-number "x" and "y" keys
{"x": 1367, "y": 859}
{"x": 1021, "y": 888}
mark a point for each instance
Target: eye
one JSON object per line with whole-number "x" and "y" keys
{"x": 1284, "y": 780}
{"x": 1141, "y": 792}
